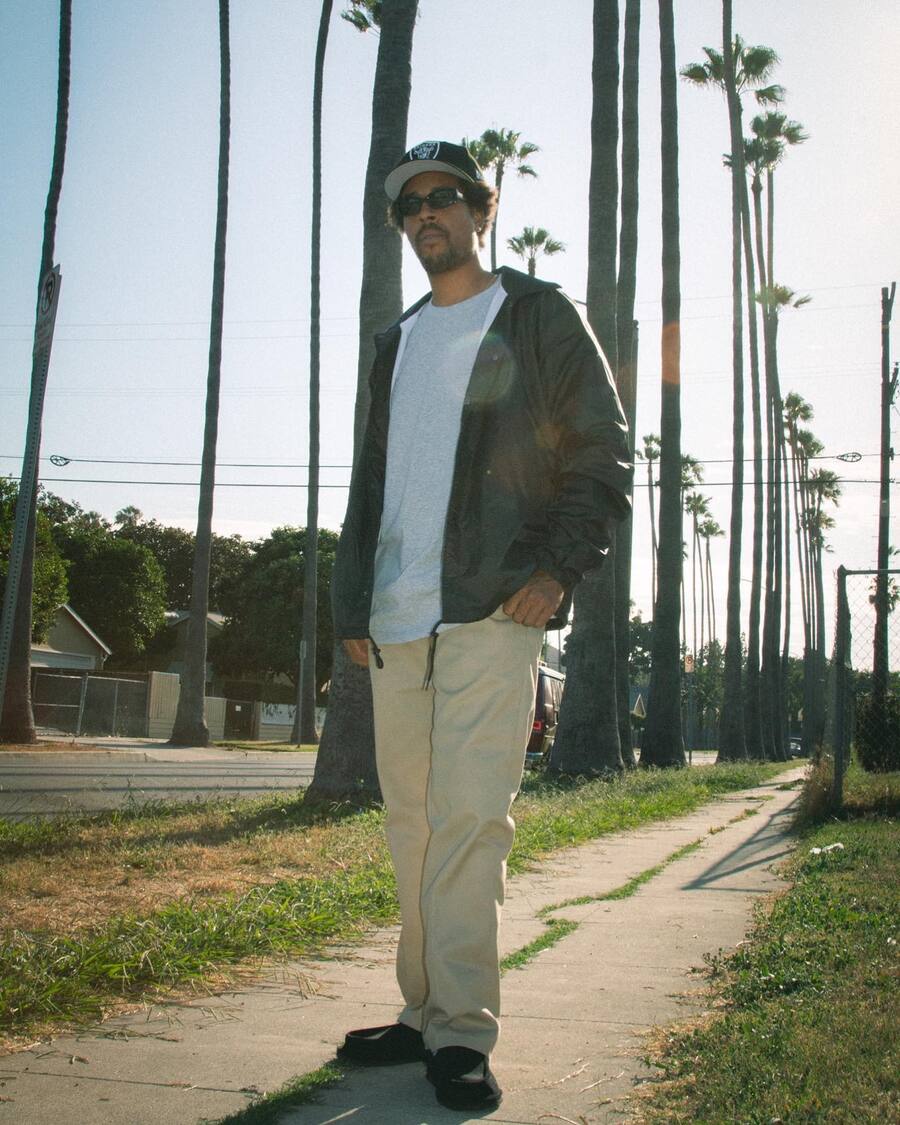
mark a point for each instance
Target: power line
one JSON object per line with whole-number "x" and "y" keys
{"x": 265, "y": 484}
{"x": 304, "y": 319}
{"x": 302, "y": 465}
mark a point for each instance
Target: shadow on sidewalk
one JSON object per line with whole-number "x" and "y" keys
{"x": 766, "y": 846}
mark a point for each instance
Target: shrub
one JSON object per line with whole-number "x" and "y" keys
{"x": 878, "y": 733}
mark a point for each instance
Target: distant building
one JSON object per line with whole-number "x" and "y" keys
{"x": 71, "y": 644}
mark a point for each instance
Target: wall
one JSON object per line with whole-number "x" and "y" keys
{"x": 162, "y": 704}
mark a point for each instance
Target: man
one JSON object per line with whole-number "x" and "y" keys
{"x": 493, "y": 464}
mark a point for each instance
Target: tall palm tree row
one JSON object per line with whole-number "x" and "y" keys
{"x": 772, "y": 133}
{"x": 650, "y": 455}
{"x": 736, "y": 68}
{"x": 587, "y": 739}
{"x": 497, "y": 150}
{"x": 305, "y": 718}
{"x": 190, "y": 727}
{"x": 16, "y": 714}
{"x": 345, "y": 763}
{"x": 532, "y": 243}
{"x": 663, "y": 742}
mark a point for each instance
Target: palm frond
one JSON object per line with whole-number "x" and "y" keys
{"x": 770, "y": 95}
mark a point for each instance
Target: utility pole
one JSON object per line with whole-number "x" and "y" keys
{"x": 888, "y": 389}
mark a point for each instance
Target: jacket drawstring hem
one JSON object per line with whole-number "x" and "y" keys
{"x": 376, "y": 652}
{"x": 429, "y": 666}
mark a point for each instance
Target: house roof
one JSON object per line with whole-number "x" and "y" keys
{"x": 82, "y": 624}
{"x": 176, "y": 616}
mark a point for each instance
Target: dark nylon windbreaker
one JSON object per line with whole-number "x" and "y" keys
{"x": 541, "y": 468}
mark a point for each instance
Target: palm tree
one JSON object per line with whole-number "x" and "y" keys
{"x": 626, "y": 350}
{"x": 190, "y": 727}
{"x": 663, "y": 742}
{"x": 772, "y": 133}
{"x": 500, "y": 149}
{"x": 737, "y": 68}
{"x": 588, "y": 740}
{"x": 650, "y": 453}
{"x": 823, "y": 485}
{"x": 531, "y": 243}
{"x": 305, "y": 718}
{"x": 708, "y": 530}
{"x": 16, "y": 715}
{"x": 697, "y": 507}
{"x": 345, "y": 763}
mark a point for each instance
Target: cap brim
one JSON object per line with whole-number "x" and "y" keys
{"x": 405, "y": 172}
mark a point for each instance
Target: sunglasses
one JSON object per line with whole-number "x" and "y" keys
{"x": 437, "y": 200}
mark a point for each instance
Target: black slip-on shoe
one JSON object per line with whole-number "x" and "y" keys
{"x": 462, "y": 1079}
{"x": 383, "y": 1046}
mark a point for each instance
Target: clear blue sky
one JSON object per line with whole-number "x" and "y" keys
{"x": 136, "y": 221}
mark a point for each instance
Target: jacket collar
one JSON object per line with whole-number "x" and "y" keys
{"x": 515, "y": 284}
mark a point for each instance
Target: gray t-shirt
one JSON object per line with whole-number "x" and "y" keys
{"x": 426, "y": 412}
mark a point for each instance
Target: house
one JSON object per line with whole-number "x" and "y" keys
{"x": 71, "y": 644}
{"x": 177, "y": 624}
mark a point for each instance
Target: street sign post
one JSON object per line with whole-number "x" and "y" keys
{"x": 40, "y": 365}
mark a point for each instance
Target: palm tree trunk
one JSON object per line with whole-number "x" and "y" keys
{"x": 16, "y": 714}
{"x": 345, "y": 763}
{"x": 306, "y": 695}
{"x": 732, "y": 744}
{"x": 498, "y": 182}
{"x": 627, "y": 348}
{"x": 587, "y": 739}
{"x": 190, "y": 727}
{"x": 754, "y": 702}
{"x": 654, "y": 541}
{"x": 663, "y": 743}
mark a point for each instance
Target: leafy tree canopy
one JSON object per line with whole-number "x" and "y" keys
{"x": 173, "y": 549}
{"x": 263, "y": 604}
{"x": 50, "y": 585}
{"x": 117, "y": 586}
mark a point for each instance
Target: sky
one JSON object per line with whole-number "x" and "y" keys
{"x": 136, "y": 225}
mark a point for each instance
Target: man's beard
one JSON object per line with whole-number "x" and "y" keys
{"x": 441, "y": 261}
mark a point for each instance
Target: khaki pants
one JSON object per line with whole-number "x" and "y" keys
{"x": 450, "y": 760}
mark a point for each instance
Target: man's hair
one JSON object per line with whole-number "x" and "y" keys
{"x": 481, "y": 199}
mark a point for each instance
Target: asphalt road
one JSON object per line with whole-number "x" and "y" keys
{"x": 50, "y": 784}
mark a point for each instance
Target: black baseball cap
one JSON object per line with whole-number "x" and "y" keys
{"x": 433, "y": 156}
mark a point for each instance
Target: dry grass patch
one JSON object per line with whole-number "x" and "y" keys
{"x": 94, "y": 872}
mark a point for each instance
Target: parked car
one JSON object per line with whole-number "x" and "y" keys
{"x": 795, "y": 748}
{"x": 548, "y": 697}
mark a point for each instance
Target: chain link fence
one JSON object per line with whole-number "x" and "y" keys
{"x": 864, "y": 681}
{"x": 84, "y": 704}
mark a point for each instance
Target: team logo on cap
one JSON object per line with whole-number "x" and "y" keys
{"x": 427, "y": 150}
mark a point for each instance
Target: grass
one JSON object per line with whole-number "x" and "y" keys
{"x": 555, "y": 931}
{"x": 304, "y": 1090}
{"x": 806, "y": 1026}
{"x": 272, "y": 747}
{"x": 105, "y": 909}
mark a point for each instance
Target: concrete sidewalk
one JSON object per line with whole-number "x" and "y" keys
{"x": 573, "y": 1021}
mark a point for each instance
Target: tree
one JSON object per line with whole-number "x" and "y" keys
{"x": 345, "y": 763}
{"x": 650, "y": 453}
{"x": 190, "y": 727}
{"x": 737, "y": 68}
{"x": 772, "y": 133}
{"x": 305, "y": 716}
{"x": 173, "y": 549}
{"x": 16, "y": 715}
{"x": 531, "y": 243}
{"x": 663, "y": 742}
{"x": 627, "y": 353}
{"x": 50, "y": 588}
{"x": 587, "y": 738}
{"x": 263, "y": 626}
{"x": 116, "y": 585}
{"x": 499, "y": 149}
